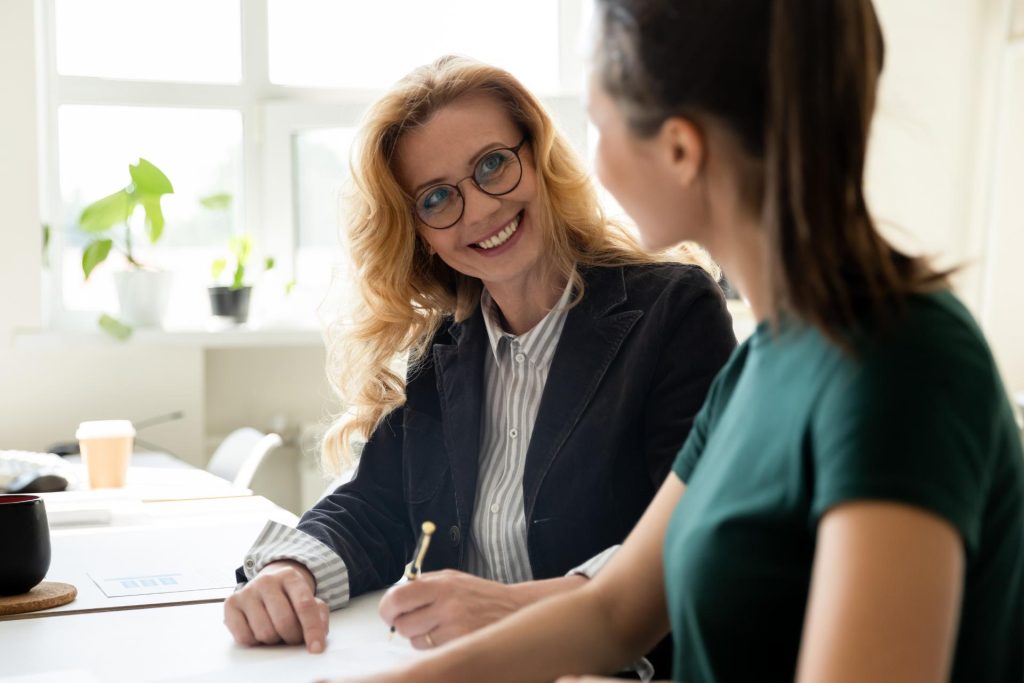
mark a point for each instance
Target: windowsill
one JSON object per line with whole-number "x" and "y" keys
{"x": 238, "y": 337}
{"x": 242, "y": 337}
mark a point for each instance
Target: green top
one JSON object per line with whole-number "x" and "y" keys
{"x": 793, "y": 426}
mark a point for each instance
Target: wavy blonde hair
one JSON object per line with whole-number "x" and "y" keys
{"x": 404, "y": 293}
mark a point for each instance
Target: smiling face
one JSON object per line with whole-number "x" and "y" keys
{"x": 497, "y": 239}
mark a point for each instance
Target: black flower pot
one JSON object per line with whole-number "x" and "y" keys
{"x": 24, "y": 543}
{"x": 226, "y": 302}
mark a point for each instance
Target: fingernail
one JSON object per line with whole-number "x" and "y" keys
{"x": 316, "y": 647}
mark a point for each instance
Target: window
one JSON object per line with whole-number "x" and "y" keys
{"x": 260, "y": 100}
{"x": 188, "y": 40}
{"x": 199, "y": 151}
{"x": 321, "y": 168}
{"x": 316, "y": 42}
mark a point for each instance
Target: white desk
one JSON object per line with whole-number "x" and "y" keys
{"x": 98, "y": 638}
{"x": 187, "y": 643}
{"x": 152, "y": 478}
{"x": 185, "y": 537}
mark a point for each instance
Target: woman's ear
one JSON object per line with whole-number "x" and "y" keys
{"x": 683, "y": 148}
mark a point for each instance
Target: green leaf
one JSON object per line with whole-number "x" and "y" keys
{"x": 46, "y": 245}
{"x": 149, "y": 180}
{"x": 217, "y": 202}
{"x": 241, "y": 247}
{"x": 105, "y": 213}
{"x": 289, "y": 287}
{"x": 239, "y": 280}
{"x": 114, "y": 327}
{"x": 94, "y": 255}
{"x": 218, "y": 267}
{"x": 268, "y": 263}
{"x": 154, "y": 217}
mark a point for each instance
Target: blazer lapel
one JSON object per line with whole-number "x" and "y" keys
{"x": 590, "y": 340}
{"x": 460, "y": 377}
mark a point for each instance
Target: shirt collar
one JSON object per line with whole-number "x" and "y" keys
{"x": 534, "y": 340}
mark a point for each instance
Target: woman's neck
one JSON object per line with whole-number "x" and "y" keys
{"x": 740, "y": 248}
{"x": 524, "y": 303}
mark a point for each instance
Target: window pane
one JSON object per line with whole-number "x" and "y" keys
{"x": 321, "y": 168}
{"x": 185, "y": 40}
{"x": 200, "y": 152}
{"x": 363, "y": 45}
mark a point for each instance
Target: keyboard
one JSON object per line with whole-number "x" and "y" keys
{"x": 13, "y": 464}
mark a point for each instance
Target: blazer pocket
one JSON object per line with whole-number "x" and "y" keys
{"x": 424, "y": 460}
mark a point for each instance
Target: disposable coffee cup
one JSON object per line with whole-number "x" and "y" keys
{"x": 106, "y": 447}
{"x": 24, "y": 543}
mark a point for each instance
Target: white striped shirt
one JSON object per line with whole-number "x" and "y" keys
{"x": 515, "y": 372}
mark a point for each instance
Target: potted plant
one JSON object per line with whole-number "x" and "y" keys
{"x": 232, "y": 300}
{"x": 142, "y": 291}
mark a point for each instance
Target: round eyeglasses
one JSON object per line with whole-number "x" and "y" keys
{"x": 497, "y": 173}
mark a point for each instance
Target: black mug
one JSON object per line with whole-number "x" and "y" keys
{"x": 24, "y": 543}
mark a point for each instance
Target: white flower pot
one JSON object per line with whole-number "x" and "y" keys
{"x": 143, "y": 295}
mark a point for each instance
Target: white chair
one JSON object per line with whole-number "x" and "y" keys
{"x": 239, "y": 455}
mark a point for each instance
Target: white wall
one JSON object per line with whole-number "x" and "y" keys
{"x": 946, "y": 163}
{"x": 924, "y": 148}
{"x": 283, "y": 389}
{"x": 1003, "y": 288}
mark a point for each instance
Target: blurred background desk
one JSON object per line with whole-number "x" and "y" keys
{"x": 172, "y": 535}
{"x": 170, "y": 520}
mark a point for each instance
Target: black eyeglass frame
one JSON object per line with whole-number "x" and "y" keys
{"x": 472, "y": 177}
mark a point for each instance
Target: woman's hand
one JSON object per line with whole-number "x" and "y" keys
{"x": 441, "y": 606}
{"x": 279, "y": 605}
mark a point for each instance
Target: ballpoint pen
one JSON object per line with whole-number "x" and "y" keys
{"x": 414, "y": 568}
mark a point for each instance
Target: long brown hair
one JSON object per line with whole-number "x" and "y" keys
{"x": 403, "y": 292}
{"x": 795, "y": 81}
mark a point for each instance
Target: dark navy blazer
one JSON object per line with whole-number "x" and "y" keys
{"x": 631, "y": 369}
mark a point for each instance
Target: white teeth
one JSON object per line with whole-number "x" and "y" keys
{"x": 501, "y": 237}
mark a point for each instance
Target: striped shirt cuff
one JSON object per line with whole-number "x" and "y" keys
{"x": 280, "y": 542}
{"x": 594, "y": 565}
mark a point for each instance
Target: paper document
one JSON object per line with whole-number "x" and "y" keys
{"x": 63, "y": 676}
{"x": 122, "y": 584}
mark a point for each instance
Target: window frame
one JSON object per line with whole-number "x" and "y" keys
{"x": 271, "y": 115}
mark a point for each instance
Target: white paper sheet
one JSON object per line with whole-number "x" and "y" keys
{"x": 63, "y": 676}
{"x": 179, "y": 580}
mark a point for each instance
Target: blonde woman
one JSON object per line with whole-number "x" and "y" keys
{"x": 554, "y": 371}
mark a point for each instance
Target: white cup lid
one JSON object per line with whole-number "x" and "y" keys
{"x": 101, "y": 429}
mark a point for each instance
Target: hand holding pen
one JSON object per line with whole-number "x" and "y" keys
{"x": 414, "y": 568}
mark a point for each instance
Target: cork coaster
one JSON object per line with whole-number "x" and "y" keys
{"x": 44, "y": 596}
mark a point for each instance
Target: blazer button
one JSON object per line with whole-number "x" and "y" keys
{"x": 455, "y": 535}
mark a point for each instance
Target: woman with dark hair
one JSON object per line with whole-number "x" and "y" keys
{"x": 849, "y": 505}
